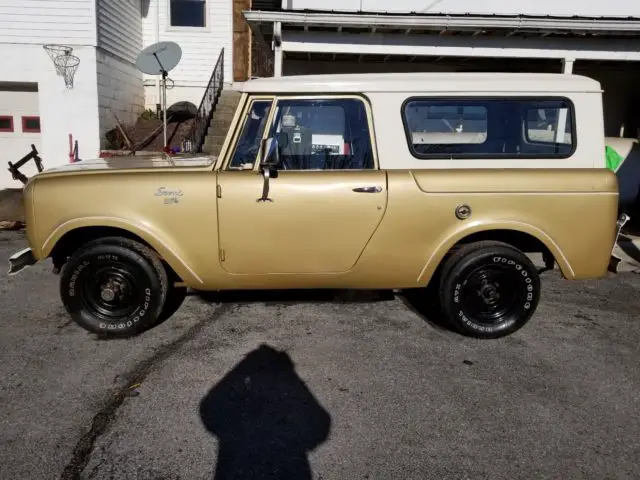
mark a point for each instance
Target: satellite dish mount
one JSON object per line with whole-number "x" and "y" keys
{"x": 159, "y": 59}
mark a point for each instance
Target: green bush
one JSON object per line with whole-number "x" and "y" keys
{"x": 148, "y": 114}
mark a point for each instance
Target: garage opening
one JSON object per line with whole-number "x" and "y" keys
{"x": 19, "y": 128}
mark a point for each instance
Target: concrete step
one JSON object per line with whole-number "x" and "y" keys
{"x": 210, "y": 149}
{"x": 226, "y": 99}
{"x": 231, "y": 94}
{"x": 215, "y": 139}
{"x": 219, "y": 126}
{"x": 225, "y": 109}
{"x": 213, "y": 144}
{"x": 222, "y": 117}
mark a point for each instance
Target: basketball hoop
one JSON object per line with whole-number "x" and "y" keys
{"x": 68, "y": 64}
{"x": 55, "y": 51}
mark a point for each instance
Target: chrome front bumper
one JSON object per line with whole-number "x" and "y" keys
{"x": 21, "y": 260}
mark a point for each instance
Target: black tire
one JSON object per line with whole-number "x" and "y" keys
{"x": 489, "y": 289}
{"x": 175, "y": 299}
{"x": 114, "y": 287}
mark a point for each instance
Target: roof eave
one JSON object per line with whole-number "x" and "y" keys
{"x": 443, "y": 21}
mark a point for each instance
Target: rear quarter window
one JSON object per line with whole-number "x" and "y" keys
{"x": 480, "y": 128}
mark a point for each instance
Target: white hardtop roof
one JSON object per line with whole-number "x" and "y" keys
{"x": 450, "y": 82}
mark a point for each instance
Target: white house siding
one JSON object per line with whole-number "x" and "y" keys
{"x": 62, "y": 111}
{"x": 120, "y": 28}
{"x": 200, "y": 49}
{"x": 25, "y": 25}
{"x": 120, "y": 83}
{"x": 71, "y": 22}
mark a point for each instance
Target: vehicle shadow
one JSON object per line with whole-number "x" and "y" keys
{"x": 423, "y": 302}
{"x": 265, "y": 418}
{"x": 295, "y": 296}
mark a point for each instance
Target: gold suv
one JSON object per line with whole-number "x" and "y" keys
{"x": 392, "y": 181}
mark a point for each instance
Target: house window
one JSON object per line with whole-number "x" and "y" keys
{"x": 31, "y": 124}
{"x": 467, "y": 128}
{"x": 188, "y": 13}
{"x": 6, "y": 123}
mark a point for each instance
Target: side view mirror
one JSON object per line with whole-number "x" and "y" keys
{"x": 270, "y": 152}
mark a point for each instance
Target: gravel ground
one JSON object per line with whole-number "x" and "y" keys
{"x": 320, "y": 385}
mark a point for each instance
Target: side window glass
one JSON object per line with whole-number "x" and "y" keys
{"x": 441, "y": 123}
{"x": 489, "y": 128}
{"x": 248, "y": 144}
{"x": 322, "y": 134}
{"x": 549, "y": 123}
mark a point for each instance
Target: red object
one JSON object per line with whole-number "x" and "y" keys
{"x": 346, "y": 149}
{"x": 27, "y": 129}
{"x": 72, "y": 154}
{"x": 4, "y": 118}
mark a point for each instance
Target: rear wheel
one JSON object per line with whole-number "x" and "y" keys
{"x": 489, "y": 289}
{"x": 114, "y": 287}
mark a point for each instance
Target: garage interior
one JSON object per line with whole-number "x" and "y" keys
{"x": 619, "y": 80}
{"x": 294, "y": 43}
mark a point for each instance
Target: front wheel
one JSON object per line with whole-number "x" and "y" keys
{"x": 175, "y": 298}
{"x": 114, "y": 287}
{"x": 489, "y": 290}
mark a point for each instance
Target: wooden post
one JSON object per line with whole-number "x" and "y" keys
{"x": 241, "y": 41}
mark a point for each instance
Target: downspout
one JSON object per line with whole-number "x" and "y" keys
{"x": 156, "y": 35}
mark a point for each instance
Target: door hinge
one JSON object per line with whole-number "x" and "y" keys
{"x": 222, "y": 257}
{"x": 218, "y": 191}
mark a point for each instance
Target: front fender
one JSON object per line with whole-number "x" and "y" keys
{"x": 449, "y": 240}
{"x": 166, "y": 247}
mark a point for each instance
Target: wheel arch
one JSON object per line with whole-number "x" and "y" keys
{"x": 524, "y": 237}
{"x": 70, "y": 236}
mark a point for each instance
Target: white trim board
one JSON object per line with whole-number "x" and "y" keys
{"x": 431, "y": 45}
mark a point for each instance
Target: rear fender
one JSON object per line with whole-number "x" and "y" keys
{"x": 449, "y": 240}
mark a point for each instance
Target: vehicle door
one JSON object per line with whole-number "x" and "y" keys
{"x": 316, "y": 208}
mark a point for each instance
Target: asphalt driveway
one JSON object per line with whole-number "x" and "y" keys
{"x": 322, "y": 386}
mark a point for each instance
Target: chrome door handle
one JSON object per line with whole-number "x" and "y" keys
{"x": 375, "y": 189}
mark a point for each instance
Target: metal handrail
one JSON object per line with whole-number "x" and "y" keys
{"x": 207, "y": 107}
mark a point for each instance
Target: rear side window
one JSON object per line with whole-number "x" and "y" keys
{"x": 466, "y": 128}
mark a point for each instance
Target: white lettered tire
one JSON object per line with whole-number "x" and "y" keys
{"x": 114, "y": 287}
{"x": 489, "y": 289}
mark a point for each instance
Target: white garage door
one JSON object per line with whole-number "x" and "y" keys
{"x": 19, "y": 129}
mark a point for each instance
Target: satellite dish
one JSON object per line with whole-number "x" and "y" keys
{"x": 159, "y": 59}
